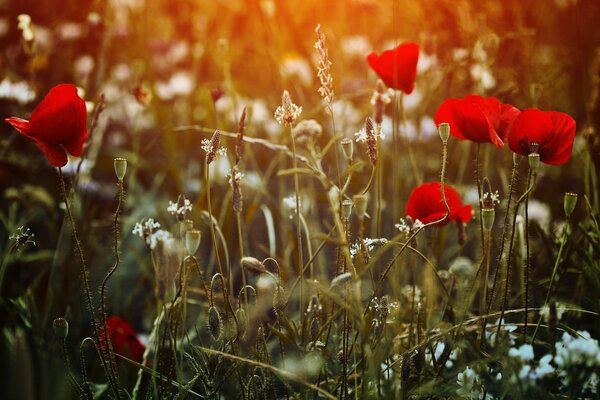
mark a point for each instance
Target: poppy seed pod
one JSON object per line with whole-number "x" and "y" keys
{"x": 488, "y": 215}
{"x": 184, "y": 226}
{"x": 570, "y": 201}
{"x": 120, "y": 168}
{"x": 534, "y": 161}
{"x": 346, "y": 209}
{"x": 347, "y": 148}
{"x": 192, "y": 241}
{"x": 61, "y": 327}
{"x": 444, "y": 131}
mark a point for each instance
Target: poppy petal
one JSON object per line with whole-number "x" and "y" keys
{"x": 21, "y": 125}
{"x": 466, "y": 120}
{"x": 54, "y": 153}
{"x": 398, "y": 67}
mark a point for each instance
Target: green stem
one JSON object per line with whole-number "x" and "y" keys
{"x": 86, "y": 285}
{"x": 298, "y": 232}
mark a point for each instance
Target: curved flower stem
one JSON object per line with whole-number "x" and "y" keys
{"x": 505, "y": 226}
{"x": 378, "y": 190}
{"x": 510, "y": 249}
{"x": 86, "y": 285}
{"x": 108, "y": 345}
{"x": 370, "y": 182}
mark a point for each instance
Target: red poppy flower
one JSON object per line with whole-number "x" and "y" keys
{"x": 398, "y": 67}
{"x": 482, "y": 120}
{"x": 123, "y": 338}
{"x": 57, "y": 124}
{"x": 553, "y": 132}
{"x": 425, "y": 204}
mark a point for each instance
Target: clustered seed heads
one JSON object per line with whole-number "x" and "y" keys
{"x": 235, "y": 176}
{"x": 287, "y": 113}
{"x": 371, "y": 141}
{"x": 239, "y": 139}
{"x": 212, "y": 149}
{"x": 324, "y": 68}
{"x": 381, "y": 97}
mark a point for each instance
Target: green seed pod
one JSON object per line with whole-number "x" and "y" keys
{"x": 185, "y": 226}
{"x": 120, "y": 168}
{"x": 61, "y": 328}
{"x": 348, "y": 148}
{"x": 570, "y": 201}
{"x": 487, "y": 216}
{"x": 534, "y": 161}
{"x": 346, "y": 209}
{"x": 444, "y": 131}
{"x": 215, "y": 323}
{"x": 192, "y": 241}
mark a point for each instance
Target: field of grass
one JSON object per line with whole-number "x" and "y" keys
{"x": 251, "y": 199}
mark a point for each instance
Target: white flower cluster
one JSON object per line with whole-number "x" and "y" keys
{"x": 361, "y": 135}
{"x": 287, "y": 115}
{"x": 471, "y": 386}
{"x": 22, "y": 236}
{"x": 494, "y": 198}
{"x": 370, "y": 243}
{"x": 405, "y": 228}
{"x": 149, "y": 230}
{"x": 385, "y": 97}
{"x": 174, "y": 209}
{"x": 578, "y": 358}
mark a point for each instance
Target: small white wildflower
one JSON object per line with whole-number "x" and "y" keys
{"x": 385, "y": 97}
{"x": 494, "y": 198}
{"x": 287, "y": 113}
{"x": 237, "y": 176}
{"x": 403, "y": 227}
{"x": 207, "y": 147}
{"x": 22, "y": 236}
{"x": 418, "y": 224}
{"x": 545, "y": 311}
{"x": 146, "y": 230}
{"x": 175, "y": 209}
{"x": 468, "y": 380}
{"x": 523, "y": 353}
{"x": 159, "y": 235}
{"x": 361, "y": 136}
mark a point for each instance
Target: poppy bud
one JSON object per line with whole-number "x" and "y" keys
{"x": 215, "y": 323}
{"x": 120, "y": 168}
{"x": 534, "y": 161}
{"x": 570, "y": 201}
{"x": 360, "y": 203}
{"x": 279, "y": 299}
{"x": 252, "y": 264}
{"x": 192, "y": 241}
{"x": 242, "y": 321}
{"x": 61, "y": 328}
{"x": 444, "y": 131}
{"x": 487, "y": 217}
{"x": 348, "y": 148}
{"x": 346, "y": 209}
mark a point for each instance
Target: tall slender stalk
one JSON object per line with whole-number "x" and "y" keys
{"x": 86, "y": 286}
{"x": 298, "y": 233}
